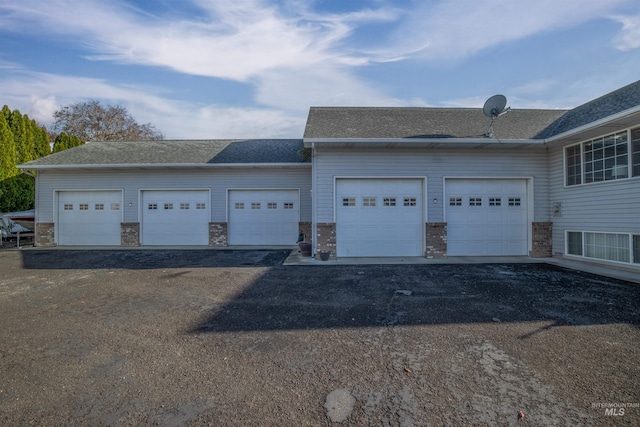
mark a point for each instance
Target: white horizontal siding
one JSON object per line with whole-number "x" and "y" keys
{"x": 433, "y": 164}
{"x": 218, "y": 182}
{"x": 611, "y": 206}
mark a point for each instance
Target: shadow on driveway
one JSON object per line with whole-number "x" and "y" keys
{"x": 308, "y": 297}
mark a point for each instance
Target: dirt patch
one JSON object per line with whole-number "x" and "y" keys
{"x": 235, "y": 338}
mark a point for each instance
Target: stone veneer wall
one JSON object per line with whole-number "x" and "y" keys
{"x": 218, "y": 234}
{"x": 436, "y": 238}
{"x": 305, "y": 228}
{"x": 130, "y": 234}
{"x": 542, "y": 239}
{"x": 326, "y": 238}
{"x": 45, "y": 234}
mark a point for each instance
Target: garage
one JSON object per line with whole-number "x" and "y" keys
{"x": 89, "y": 218}
{"x": 175, "y": 217}
{"x": 486, "y": 217}
{"x": 379, "y": 217}
{"x": 263, "y": 217}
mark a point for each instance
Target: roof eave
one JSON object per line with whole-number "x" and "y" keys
{"x": 419, "y": 142}
{"x": 26, "y": 166}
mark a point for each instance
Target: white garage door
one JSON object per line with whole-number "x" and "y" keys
{"x": 175, "y": 217}
{"x": 89, "y": 218}
{"x": 486, "y": 217}
{"x": 263, "y": 217}
{"x": 379, "y": 217}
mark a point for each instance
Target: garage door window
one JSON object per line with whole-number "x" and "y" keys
{"x": 99, "y": 206}
{"x": 152, "y": 206}
{"x": 514, "y": 201}
{"x": 115, "y": 206}
{"x": 272, "y": 205}
{"x": 201, "y": 206}
{"x": 455, "y": 201}
{"x": 389, "y": 201}
{"x": 68, "y": 207}
{"x": 288, "y": 205}
{"x": 348, "y": 201}
{"x": 239, "y": 205}
{"x": 368, "y": 201}
{"x": 168, "y": 206}
{"x": 409, "y": 201}
{"x": 475, "y": 201}
{"x": 84, "y": 206}
{"x": 184, "y": 206}
{"x": 495, "y": 201}
{"x": 255, "y": 205}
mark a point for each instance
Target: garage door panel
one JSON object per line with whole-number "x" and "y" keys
{"x": 491, "y": 218}
{"x": 89, "y": 218}
{"x": 379, "y": 223}
{"x": 275, "y": 222}
{"x": 175, "y": 217}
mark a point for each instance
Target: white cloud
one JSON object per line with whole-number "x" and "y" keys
{"x": 629, "y": 36}
{"x": 454, "y": 29}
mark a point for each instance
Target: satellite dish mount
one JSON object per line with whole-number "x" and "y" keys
{"x": 493, "y": 108}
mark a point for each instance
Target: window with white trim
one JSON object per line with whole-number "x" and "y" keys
{"x": 115, "y": 206}
{"x": 99, "y": 206}
{"x": 168, "y": 206}
{"x": 201, "y": 206}
{"x": 255, "y": 205}
{"x": 287, "y": 205}
{"x": 152, "y": 206}
{"x": 611, "y": 157}
{"x": 83, "y": 206}
{"x": 618, "y": 247}
{"x": 68, "y": 206}
{"x": 515, "y": 201}
{"x": 272, "y": 205}
{"x": 239, "y": 205}
{"x": 184, "y": 206}
{"x": 495, "y": 201}
{"x": 475, "y": 201}
{"x": 409, "y": 201}
{"x": 389, "y": 201}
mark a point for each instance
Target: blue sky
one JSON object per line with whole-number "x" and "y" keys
{"x": 200, "y": 69}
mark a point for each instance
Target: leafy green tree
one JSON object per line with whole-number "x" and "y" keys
{"x": 41, "y": 140}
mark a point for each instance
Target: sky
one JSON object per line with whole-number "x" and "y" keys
{"x": 217, "y": 69}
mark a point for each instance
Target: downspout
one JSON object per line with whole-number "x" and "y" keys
{"x": 314, "y": 218}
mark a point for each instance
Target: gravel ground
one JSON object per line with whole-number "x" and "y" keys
{"x": 202, "y": 337}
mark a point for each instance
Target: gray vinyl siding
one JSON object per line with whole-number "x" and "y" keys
{"x": 435, "y": 165}
{"x": 610, "y": 206}
{"x": 217, "y": 181}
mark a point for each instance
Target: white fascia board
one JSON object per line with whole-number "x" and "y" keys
{"x": 593, "y": 125}
{"x": 170, "y": 166}
{"x": 417, "y": 142}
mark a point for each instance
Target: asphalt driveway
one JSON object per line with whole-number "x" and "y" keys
{"x": 202, "y": 337}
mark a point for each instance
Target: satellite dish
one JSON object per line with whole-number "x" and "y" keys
{"x": 494, "y": 106}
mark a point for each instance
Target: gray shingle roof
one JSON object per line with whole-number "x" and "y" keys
{"x": 177, "y": 152}
{"x": 607, "y": 105}
{"x": 394, "y": 122}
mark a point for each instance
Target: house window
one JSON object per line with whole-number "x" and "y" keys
{"x": 272, "y": 205}
{"x": 495, "y": 201}
{"x": 288, "y": 205}
{"x": 83, "y": 206}
{"x": 619, "y": 247}
{"x": 475, "y": 201}
{"x": 409, "y": 201}
{"x": 168, "y": 206}
{"x": 99, "y": 206}
{"x": 255, "y": 205}
{"x": 348, "y": 201}
{"x": 603, "y": 159}
{"x": 574, "y": 243}
{"x": 635, "y": 148}
{"x": 184, "y": 206}
{"x": 200, "y": 206}
{"x": 368, "y": 201}
{"x": 239, "y": 205}
{"x": 152, "y": 206}
{"x": 68, "y": 206}
{"x": 389, "y": 201}
{"x": 116, "y": 206}
{"x": 455, "y": 201}
{"x": 514, "y": 201}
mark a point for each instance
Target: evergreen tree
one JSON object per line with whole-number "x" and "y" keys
{"x": 7, "y": 150}
{"x": 19, "y": 134}
{"x": 41, "y": 140}
{"x": 29, "y": 144}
